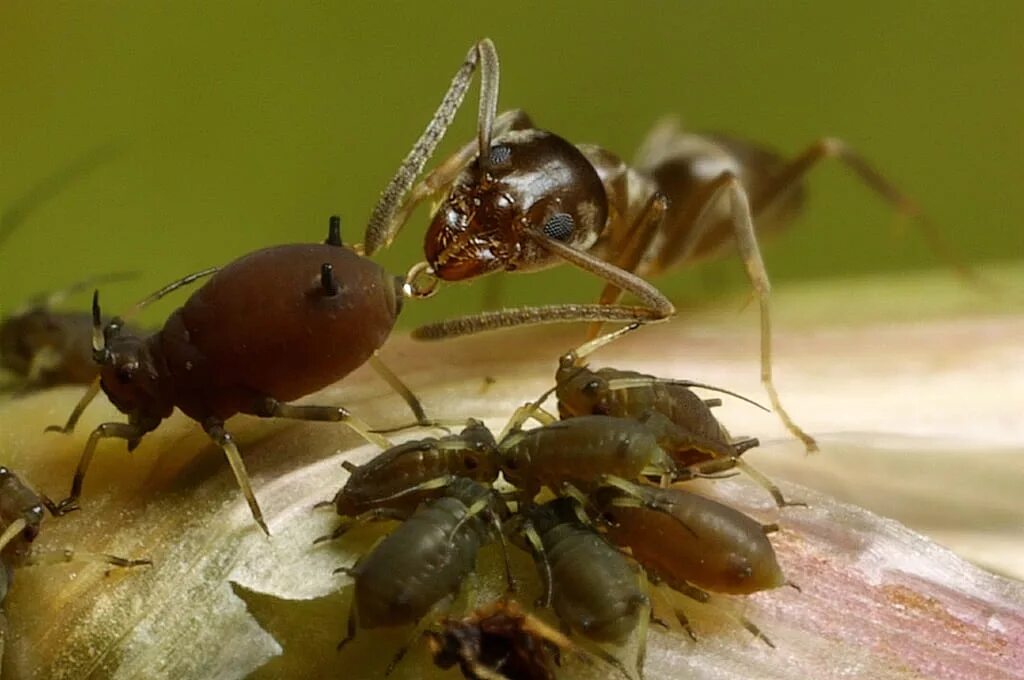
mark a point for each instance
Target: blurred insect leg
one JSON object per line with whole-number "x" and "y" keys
{"x": 640, "y": 236}
{"x": 272, "y": 408}
{"x": 830, "y": 147}
{"x": 215, "y": 429}
{"x": 130, "y": 433}
{"x": 42, "y": 362}
{"x": 704, "y": 597}
{"x": 436, "y": 612}
{"x": 76, "y": 413}
{"x": 61, "y": 556}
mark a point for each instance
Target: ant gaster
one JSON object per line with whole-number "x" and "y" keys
{"x": 268, "y": 328}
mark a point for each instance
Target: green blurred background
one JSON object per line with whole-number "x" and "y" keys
{"x": 245, "y": 124}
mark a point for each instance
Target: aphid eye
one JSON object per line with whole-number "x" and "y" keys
{"x": 470, "y": 462}
{"x": 559, "y": 226}
{"x": 592, "y": 387}
{"x": 500, "y": 155}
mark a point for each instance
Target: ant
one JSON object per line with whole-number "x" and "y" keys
{"x": 270, "y": 327}
{"x": 519, "y": 198}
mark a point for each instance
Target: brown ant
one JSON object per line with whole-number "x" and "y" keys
{"x": 270, "y": 327}
{"x": 519, "y": 198}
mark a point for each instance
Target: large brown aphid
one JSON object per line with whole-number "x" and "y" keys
{"x": 268, "y": 328}
{"x": 691, "y": 543}
{"x": 396, "y": 481}
{"x": 421, "y": 565}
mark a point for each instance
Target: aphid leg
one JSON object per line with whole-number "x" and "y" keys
{"x": 403, "y": 391}
{"x": 375, "y": 515}
{"x": 641, "y": 234}
{"x": 272, "y": 408}
{"x": 12, "y": 531}
{"x": 353, "y": 619}
{"x": 383, "y": 227}
{"x": 695, "y": 593}
{"x": 76, "y": 413}
{"x": 539, "y": 554}
{"x": 126, "y": 431}
{"x": 215, "y": 429}
{"x": 436, "y": 612}
{"x": 61, "y": 556}
{"x": 509, "y": 578}
{"x": 527, "y": 411}
{"x": 682, "y": 624}
{"x": 635, "y": 498}
{"x": 830, "y": 147}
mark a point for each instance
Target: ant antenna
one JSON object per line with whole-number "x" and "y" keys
{"x": 169, "y": 288}
{"x": 328, "y": 283}
{"x": 334, "y": 231}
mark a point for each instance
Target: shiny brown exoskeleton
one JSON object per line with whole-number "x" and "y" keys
{"x": 691, "y": 543}
{"x": 425, "y": 560}
{"x": 520, "y": 199}
{"x": 394, "y": 482}
{"x": 270, "y": 327}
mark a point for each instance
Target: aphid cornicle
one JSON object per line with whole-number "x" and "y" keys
{"x": 270, "y": 327}
{"x": 394, "y": 482}
{"x": 424, "y": 561}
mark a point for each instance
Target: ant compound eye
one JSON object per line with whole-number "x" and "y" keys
{"x": 559, "y": 226}
{"x": 500, "y": 155}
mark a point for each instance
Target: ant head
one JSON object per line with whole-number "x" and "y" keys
{"x": 531, "y": 181}
{"x": 128, "y": 369}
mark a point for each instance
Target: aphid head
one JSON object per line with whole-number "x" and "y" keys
{"x": 532, "y": 181}
{"x": 580, "y": 392}
{"x": 128, "y": 371}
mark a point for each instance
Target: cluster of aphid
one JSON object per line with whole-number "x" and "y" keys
{"x": 515, "y": 199}
{"x": 606, "y": 465}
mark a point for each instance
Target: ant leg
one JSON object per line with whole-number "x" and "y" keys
{"x": 76, "y": 413}
{"x": 130, "y": 433}
{"x": 402, "y": 389}
{"x": 215, "y": 429}
{"x": 727, "y": 185}
{"x": 794, "y": 172}
{"x": 61, "y": 556}
{"x": 641, "y": 235}
{"x": 382, "y": 227}
{"x": 272, "y": 408}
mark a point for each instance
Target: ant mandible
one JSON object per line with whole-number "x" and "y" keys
{"x": 521, "y": 199}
